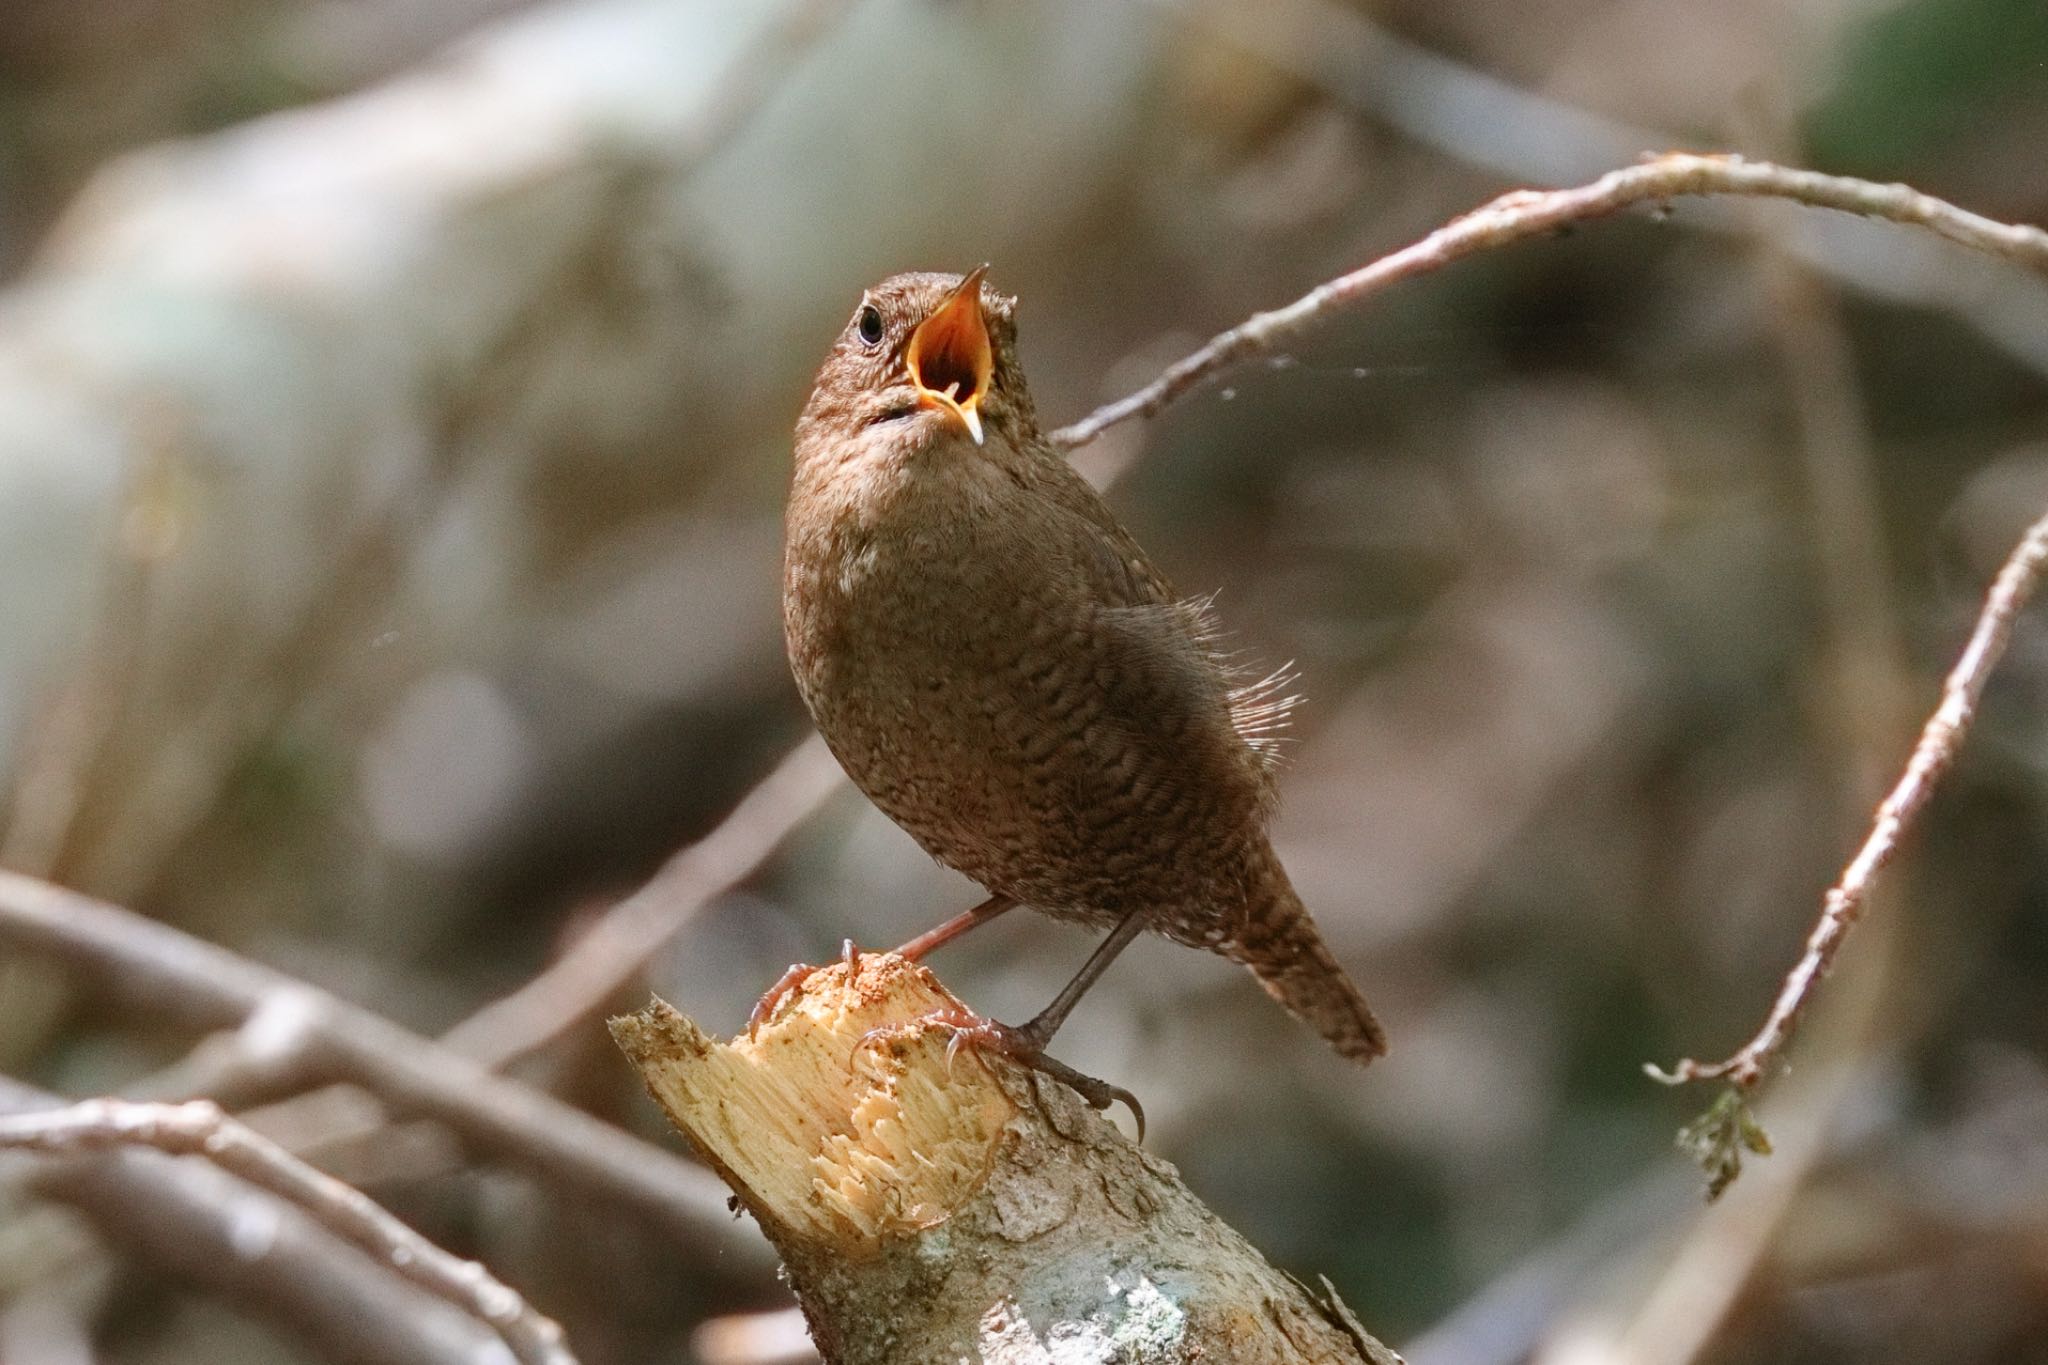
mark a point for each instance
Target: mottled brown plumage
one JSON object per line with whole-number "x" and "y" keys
{"x": 998, "y": 665}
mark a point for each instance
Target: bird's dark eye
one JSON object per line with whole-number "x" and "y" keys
{"x": 871, "y": 326}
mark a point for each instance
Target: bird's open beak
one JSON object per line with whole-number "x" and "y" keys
{"x": 949, "y": 356}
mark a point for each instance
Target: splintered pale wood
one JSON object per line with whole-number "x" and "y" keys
{"x": 940, "y": 1209}
{"x": 832, "y": 1146}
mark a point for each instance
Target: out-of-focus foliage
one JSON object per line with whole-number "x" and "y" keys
{"x": 1923, "y": 78}
{"x": 1606, "y": 659}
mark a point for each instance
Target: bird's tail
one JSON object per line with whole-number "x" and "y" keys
{"x": 1280, "y": 944}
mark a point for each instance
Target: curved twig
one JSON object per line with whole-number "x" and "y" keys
{"x": 1523, "y": 214}
{"x": 1940, "y": 740}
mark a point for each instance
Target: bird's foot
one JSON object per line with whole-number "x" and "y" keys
{"x": 792, "y": 981}
{"x": 1018, "y": 1044}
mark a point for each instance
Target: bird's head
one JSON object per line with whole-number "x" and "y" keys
{"x": 923, "y": 355}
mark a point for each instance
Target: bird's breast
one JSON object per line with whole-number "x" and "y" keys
{"x": 918, "y": 627}
{"x": 1023, "y": 712}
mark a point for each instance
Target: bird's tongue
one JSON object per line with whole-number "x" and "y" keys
{"x": 949, "y": 356}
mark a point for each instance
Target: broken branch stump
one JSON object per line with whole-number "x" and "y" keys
{"x": 932, "y": 1210}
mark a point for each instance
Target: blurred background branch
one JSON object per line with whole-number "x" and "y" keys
{"x": 200, "y": 1225}
{"x": 314, "y": 1037}
{"x": 199, "y": 1128}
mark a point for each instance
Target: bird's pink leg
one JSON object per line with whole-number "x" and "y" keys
{"x": 800, "y": 972}
{"x": 925, "y": 942}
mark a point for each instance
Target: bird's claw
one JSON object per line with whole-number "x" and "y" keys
{"x": 792, "y": 980}
{"x": 785, "y": 985}
{"x": 971, "y": 1030}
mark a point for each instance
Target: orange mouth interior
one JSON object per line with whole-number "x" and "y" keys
{"x": 949, "y": 356}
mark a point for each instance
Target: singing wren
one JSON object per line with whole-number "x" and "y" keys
{"x": 1001, "y": 669}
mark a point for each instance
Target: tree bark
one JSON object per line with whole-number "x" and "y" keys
{"x": 941, "y": 1209}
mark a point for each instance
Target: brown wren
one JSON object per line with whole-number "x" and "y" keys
{"x": 999, "y": 667}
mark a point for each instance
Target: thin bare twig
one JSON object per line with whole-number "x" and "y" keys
{"x": 140, "y": 959}
{"x": 1523, "y": 214}
{"x": 199, "y": 1128}
{"x": 1940, "y": 740}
